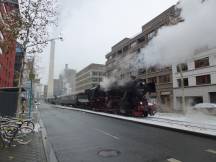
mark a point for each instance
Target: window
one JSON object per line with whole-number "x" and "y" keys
{"x": 141, "y": 71}
{"x": 94, "y": 73}
{"x": 126, "y": 48}
{"x": 164, "y": 79}
{"x": 140, "y": 40}
{"x": 185, "y": 80}
{"x": 152, "y": 69}
{"x": 151, "y": 35}
{"x": 204, "y": 79}
{"x": 183, "y": 66}
{"x": 94, "y": 79}
{"x": 138, "y": 50}
{"x": 202, "y": 62}
{"x": 212, "y": 97}
{"x": 152, "y": 80}
{"x": 120, "y": 51}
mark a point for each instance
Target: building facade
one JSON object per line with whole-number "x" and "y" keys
{"x": 69, "y": 80}
{"x": 133, "y": 46}
{"x": 58, "y": 87}
{"x": 8, "y": 47}
{"x": 18, "y": 64}
{"x": 89, "y": 77}
{"x": 199, "y": 77}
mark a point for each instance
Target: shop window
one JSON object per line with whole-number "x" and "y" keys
{"x": 185, "y": 80}
{"x": 212, "y": 97}
{"x": 203, "y": 79}
{"x": 165, "y": 99}
{"x": 202, "y": 62}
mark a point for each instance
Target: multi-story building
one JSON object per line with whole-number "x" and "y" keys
{"x": 89, "y": 77}
{"x": 45, "y": 91}
{"x": 7, "y": 55}
{"x": 199, "y": 78}
{"x": 58, "y": 87}
{"x": 129, "y": 47}
{"x": 66, "y": 83}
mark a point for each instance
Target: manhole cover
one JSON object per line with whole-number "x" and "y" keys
{"x": 108, "y": 153}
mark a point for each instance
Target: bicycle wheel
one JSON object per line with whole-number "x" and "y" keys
{"x": 29, "y": 124}
{"x": 25, "y": 135}
{"x": 9, "y": 130}
{"x": 1, "y": 143}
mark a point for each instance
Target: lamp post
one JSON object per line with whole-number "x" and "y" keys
{"x": 183, "y": 89}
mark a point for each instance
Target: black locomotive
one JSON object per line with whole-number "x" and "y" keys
{"x": 128, "y": 99}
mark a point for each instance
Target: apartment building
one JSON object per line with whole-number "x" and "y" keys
{"x": 132, "y": 46}
{"x": 199, "y": 77}
{"x": 7, "y": 55}
{"x": 89, "y": 77}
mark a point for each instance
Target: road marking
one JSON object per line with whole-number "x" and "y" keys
{"x": 106, "y": 133}
{"x": 211, "y": 151}
{"x": 173, "y": 160}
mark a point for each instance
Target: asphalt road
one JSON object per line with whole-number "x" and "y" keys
{"x": 83, "y": 137}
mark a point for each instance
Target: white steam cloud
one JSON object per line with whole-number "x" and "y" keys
{"x": 177, "y": 43}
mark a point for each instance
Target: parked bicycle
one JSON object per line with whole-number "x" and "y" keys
{"x": 12, "y": 132}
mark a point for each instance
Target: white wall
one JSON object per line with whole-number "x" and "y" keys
{"x": 193, "y": 89}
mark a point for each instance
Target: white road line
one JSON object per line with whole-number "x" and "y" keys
{"x": 173, "y": 160}
{"x": 211, "y": 151}
{"x": 108, "y": 134}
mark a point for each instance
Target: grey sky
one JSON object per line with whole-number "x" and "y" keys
{"x": 91, "y": 27}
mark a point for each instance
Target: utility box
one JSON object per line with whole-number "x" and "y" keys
{"x": 8, "y": 101}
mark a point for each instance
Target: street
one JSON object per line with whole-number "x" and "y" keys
{"x": 78, "y": 136}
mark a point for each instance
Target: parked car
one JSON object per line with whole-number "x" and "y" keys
{"x": 207, "y": 108}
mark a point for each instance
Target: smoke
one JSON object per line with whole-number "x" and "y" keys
{"x": 178, "y": 43}
{"x": 175, "y": 43}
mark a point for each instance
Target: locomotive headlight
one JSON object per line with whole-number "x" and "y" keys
{"x": 141, "y": 103}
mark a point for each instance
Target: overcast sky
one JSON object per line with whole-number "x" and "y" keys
{"x": 91, "y": 27}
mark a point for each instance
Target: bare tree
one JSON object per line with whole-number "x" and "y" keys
{"x": 29, "y": 25}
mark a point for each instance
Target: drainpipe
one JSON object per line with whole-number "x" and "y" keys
{"x": 183, "y": 89}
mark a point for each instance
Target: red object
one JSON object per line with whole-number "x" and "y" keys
{"x": 7, "y": 60}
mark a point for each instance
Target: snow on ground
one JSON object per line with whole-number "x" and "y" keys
{"x": 191, "y": 122}
{"x": 37, "y": 127}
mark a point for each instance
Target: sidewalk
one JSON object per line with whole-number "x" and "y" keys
{"x": 32, "y": 152}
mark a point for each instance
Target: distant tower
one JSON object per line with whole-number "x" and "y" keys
{"x": 51, "y": 70}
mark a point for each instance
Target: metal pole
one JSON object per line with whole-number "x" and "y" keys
{"x": 183, "y": 89}
{"x": 30, "y": 100}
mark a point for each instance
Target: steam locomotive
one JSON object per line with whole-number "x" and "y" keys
{"x": 128, "y": 99}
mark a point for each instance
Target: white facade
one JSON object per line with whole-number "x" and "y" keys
{"x": 51, "y": 70}
{"x": 89, "y": 77}
{"x": 194, "y": 90}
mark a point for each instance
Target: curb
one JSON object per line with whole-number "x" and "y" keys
{"x": 147, "y": 124}
{"x": 50, "y": 154}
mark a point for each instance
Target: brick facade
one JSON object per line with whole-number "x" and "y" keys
{"x": 7, "y": 59}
